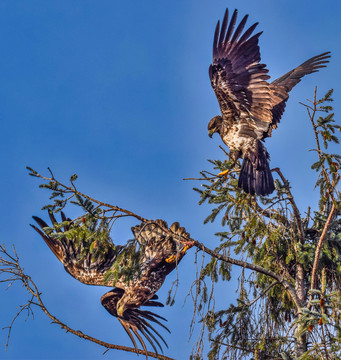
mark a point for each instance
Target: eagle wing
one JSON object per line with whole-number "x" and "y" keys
{"x": 70, "y": 248}
{"x": 161, "y": 249}
{"x": 237, "y": 77}
{"x": 281, "y": 87}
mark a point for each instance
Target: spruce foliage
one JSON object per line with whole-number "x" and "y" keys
{"x": 302, "y": 249}
{"x": 90, "y": 232}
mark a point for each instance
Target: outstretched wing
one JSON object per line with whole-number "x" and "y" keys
{"x": 136, "y": 321}
{"x": 161, "y": 248}
{"x": 237, "y": 77}
{"x": 281, "y": 87}
{"x": 70, "y": 245}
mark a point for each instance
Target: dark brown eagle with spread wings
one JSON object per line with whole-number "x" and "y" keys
{"x": 159, "y": 249}
{"x": 250, "y": 106}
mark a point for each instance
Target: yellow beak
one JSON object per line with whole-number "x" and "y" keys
{"x": 120, "y": 310}
{"x": 211, "y": 132}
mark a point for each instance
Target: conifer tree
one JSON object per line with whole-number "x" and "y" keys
{"x": 288, "y": 303}
{"x": 288, "y": 306}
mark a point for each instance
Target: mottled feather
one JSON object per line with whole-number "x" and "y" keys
{"x": 158, "y": 244}
{"x": 250, "y": 106}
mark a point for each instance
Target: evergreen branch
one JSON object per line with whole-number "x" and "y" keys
{"x": 297, "y": 214}
{"x": 13, "y": 267}
{"x": 72, "y": 189}
{"x": 253, "y": 267}
{"x": 234, "y": 346}
{"x": 312, "y": 117}
{"x": 263, "y": 293}
{"x": 269, "y": 213}
{"x": 324, "y": 343}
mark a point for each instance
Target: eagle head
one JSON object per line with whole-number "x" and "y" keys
{"x": 214, "y": 125}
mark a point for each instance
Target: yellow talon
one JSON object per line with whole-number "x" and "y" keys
{"x": 186, "y": 247}
{"x": 224, "y": 173}
{"x": 171, "y": 259}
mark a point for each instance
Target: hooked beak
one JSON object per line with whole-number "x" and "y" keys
{"x": 211, "y": 132}
{"x": 121, "y": 309}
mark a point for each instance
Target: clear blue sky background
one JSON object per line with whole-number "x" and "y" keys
{"x": 118, "y": 92}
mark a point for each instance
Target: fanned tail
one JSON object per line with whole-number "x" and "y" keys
{"x": 255, "y": 175}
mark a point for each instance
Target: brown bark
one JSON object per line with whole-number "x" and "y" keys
{"x": 300, "y": 340}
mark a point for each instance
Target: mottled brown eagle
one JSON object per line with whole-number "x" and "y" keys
{"x": 250, "y": 106}
{"x": 159, "y": 250}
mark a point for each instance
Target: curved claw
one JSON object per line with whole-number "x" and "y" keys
{"x": 224, "y": 173}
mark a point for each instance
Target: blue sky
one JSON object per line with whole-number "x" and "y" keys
{"x": 118, "y": 92}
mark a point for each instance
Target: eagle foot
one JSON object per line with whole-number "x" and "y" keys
{"x": 186, "y": 247}
{"x": 224, "y": 173}
{"x": 172, "y": 258}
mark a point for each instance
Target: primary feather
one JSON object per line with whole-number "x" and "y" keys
{"x": 250, "y": 106}
{"x": 158, "y": 243}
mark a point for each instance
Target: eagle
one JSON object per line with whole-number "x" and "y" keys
{"x": 158, "y": 250}
{"x": 250, "y": 105}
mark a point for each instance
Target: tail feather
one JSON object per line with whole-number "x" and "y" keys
{"x": 254, "y": 181}
{"x": 255, "y": 175}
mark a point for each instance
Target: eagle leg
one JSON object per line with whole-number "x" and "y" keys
{"x": 170, "y": 259}
{"x": 173, "y": 257}
{"x": 234, "y": 156}
{"x": 224, "y": 173}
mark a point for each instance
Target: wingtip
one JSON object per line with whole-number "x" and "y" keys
{"x": 39, "y": 221}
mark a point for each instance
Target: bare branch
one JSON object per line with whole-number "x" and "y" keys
{"x": 319, "y": 246}
{"x": 12, "y": 266}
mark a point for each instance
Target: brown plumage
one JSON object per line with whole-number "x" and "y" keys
{"x": 159, "y": 250}
{"x": 250, "y": 106}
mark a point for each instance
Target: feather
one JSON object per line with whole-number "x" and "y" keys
{"x": 251, "y": 107}
{"x": 158, "y": 244}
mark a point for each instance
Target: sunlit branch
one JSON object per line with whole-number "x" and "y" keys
{"x": 319, "y": 246}
{"x": 263, "y": 293}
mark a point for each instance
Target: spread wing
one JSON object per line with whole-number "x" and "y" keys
{"x": 237, "y": 77}
{"x": 161, "y": 249}
{"x": 136, "y": 321}
{"x": 70, "y": 244}
{"x": 281, "y": 87}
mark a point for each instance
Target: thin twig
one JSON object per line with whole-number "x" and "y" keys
{"x": 254, "y": 267}
{"x": 263, "y": 293}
